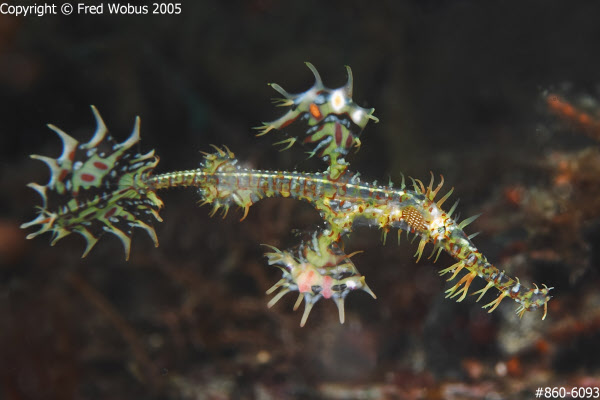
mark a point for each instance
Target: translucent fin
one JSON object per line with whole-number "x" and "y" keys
{"x": 453, "y": 208}
{"x": 471, "y": 236}
{"x": 468, "y": 221}
{"x": 443, "y": 199}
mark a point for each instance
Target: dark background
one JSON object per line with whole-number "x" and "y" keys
{"x": 457, "y": 86}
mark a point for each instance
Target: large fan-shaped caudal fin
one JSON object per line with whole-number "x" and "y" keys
{"x": 97, "y": 187}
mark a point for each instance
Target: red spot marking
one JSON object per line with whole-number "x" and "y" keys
{"x": 100, "y": 165}
{"x": 327, "y": 292}
{"x": 72, "y": 155}
{"x": 289, "y": 121}
{"x": 87, "y": 177}
{"x": 338, "y": 134}
{"x": 63, "y": 174}
{"x": 110, "y": 212}
{"x": 314, "y": 111}
{"x": 310, "y": 139}
{"x": 349, "y": 141}
{"x": 305, "y": 281}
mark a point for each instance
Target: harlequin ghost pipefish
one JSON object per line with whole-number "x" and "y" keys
{"x": 105, "y": 186}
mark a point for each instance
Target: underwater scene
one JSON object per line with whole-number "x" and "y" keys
{"x": 257, "y": 199}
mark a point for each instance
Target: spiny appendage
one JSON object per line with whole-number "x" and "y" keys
{"x": 528, "y": 299}
{"x": 334, "y": 122}
{"x": 221, "y": 185}
{"x": 316, "y": 274}
{"x": 430, "y": 224}
{"x": 439, "y": 228}
{"x": 214, "y": 179}
{"x": 97, "y": 187}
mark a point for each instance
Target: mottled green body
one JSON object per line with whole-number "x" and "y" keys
{"x": 97, "y": 187}
{"x": 316, "y": 268}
